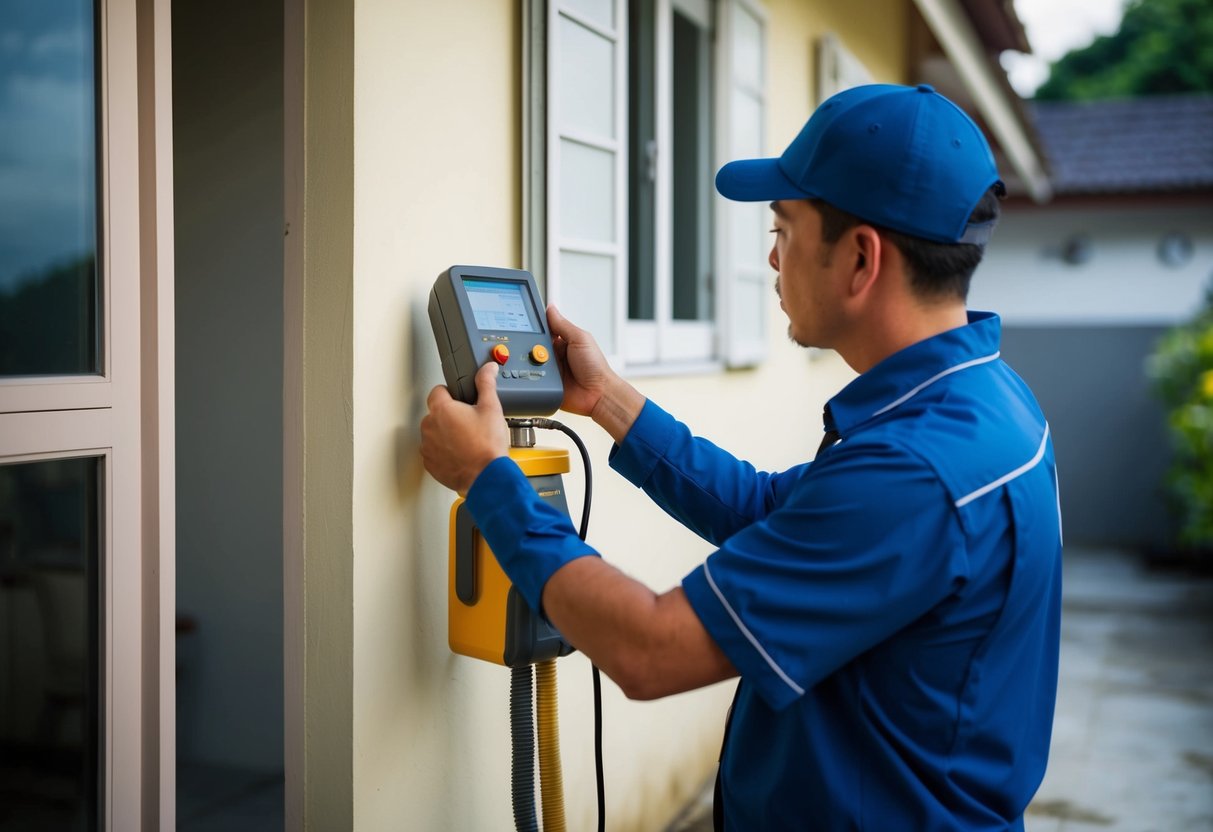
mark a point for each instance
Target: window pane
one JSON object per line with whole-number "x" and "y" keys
{"x": 601, "y": 12}
{"x": 587, "y": 192}
{"x": 747, "y": 46}
{"x": 692, "y": 170}
{"x": 642, "y": 161}
{"x": 49, "y": 645}
{"x": 588, "y": 294}
{"x": 48, "y": 188}
{"x": 586, "y": 74}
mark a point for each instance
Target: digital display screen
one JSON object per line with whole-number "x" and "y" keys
{"x": 501, "y": 306}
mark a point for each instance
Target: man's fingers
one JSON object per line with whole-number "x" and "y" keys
{"x": 437, "y": 396}
{"x": 486, "y": 383}
{"x": 560, "y": 325}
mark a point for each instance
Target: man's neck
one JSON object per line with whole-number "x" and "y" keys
{"x": 900, "y": 328}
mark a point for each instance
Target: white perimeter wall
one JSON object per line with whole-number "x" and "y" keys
{"x": 1123, "y": 283}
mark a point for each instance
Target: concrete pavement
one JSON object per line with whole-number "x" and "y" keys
{"x": 1133, "y": 735}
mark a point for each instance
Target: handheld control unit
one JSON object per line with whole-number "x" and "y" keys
{"x": 481, "y": 314}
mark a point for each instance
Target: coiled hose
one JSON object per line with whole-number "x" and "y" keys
{"x": 522, "y": 737}
{"x": 551, "y": 781}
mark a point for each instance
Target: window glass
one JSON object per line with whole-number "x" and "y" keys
{"x": 49, "y": 644}
{"x": 48, "y": 188}
{"x": 600, "y": 12}
{"x": 642, "y": 161}
{"x": 589, "y": 290}
{"x": 692, "y": 171}
{"x": 587, "y": 192}
{"x": 586, "y": 72}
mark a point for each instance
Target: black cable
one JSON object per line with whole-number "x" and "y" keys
{"x": 598, "y": 748}
{"x": 552, "y": 424}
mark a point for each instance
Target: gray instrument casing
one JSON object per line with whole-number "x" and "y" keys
{"x": 524, "y": 387}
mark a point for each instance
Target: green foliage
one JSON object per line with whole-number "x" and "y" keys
{"x": 1162, "y": 46}
{"x": 1182, "y": 369}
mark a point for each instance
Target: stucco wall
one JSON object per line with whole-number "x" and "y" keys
{"x": 437, "y": 181}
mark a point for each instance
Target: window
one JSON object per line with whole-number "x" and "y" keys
{"x": 49, "y": 643}
{"x": 73, "y": 450}
{"x": 838, "y": 68}
{"x": 644, "y": 100}
{"x": 671, "y": 309}
{"x": 48, "y": 234}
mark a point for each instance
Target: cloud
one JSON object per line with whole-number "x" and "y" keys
{"x": 1054, "y": 28}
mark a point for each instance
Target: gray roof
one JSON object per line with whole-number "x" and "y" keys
{"x": 1160, "y": 144}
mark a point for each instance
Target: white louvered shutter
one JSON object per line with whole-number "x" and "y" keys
{"x": 742, "y": 244}
{"x": 587, "y": 165}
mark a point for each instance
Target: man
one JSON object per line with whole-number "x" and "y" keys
{"x": 892, "y": 607}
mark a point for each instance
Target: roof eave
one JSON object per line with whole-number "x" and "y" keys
{"x": 992, "y": 95}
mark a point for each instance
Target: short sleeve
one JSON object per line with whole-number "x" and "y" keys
{"x": 864, "y": 544}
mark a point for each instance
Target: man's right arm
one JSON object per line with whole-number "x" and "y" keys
{"x": 704, "y": 487}
{"x": 591, "y": 387}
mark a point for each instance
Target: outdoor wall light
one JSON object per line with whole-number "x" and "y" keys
{"x": 1174, "y": 249}
{"x": 1076, "y": 250}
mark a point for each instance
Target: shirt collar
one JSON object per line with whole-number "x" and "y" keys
{"x": 900, "y": 376}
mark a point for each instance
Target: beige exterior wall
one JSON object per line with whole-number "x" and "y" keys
{"x": 437, "y": 180}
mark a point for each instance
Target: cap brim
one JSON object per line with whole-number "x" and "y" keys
{"x": 756, "y": 180}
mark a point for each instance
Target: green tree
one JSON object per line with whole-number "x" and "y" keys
{"x": 1162, "y": 46}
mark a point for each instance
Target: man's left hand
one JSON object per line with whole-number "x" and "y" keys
{"x": 459, "y": 440}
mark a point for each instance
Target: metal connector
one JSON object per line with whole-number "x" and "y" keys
{"x": 522, "y": 433}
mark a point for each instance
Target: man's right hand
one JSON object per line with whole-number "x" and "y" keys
{"x": 591, "y": 387}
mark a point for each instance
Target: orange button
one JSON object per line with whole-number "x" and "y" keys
{"x": 539, "y": 354}
{"x": 501, "y": 353}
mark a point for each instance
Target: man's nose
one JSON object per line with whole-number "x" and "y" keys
{"x": 773, "y": 259}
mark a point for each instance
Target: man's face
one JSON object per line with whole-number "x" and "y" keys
{"x": 808, "y": 281}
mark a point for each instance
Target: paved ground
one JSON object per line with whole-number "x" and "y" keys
{"x": 1133, "y": 738}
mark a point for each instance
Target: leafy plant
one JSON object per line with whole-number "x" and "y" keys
{"x": 1182, "y": 370}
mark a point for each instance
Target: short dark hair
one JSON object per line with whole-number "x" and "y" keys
{"x": 937, "y": 271}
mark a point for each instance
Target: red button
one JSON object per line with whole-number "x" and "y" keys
{"x": 501, "y": 353}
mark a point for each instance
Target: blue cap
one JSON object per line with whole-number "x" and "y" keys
{"x": 904, "y": 158}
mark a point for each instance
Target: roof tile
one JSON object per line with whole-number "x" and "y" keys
{"x": 1139, "y": 145}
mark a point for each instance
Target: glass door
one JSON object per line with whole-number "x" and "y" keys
{"x": 73, "y": 714}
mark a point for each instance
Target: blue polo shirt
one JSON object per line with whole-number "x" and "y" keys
{"x": 893, "y": 606}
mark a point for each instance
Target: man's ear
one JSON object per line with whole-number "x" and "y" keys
{"x": 865, "y": 269}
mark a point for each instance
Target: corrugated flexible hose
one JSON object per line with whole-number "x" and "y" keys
{"x": 522, "y": 736}
{"x": 551, "y": 781}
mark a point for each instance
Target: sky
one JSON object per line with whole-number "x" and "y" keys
{"x": 47, "y": 139}
{"x": 1054, "y": 28}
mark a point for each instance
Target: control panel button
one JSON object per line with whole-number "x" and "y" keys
{"x": 539, "y": 354}
{"x": 501, "y": 353}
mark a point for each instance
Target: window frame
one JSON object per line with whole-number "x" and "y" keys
{"x": 123, "y": 414}
{"x": 665, "y": 341}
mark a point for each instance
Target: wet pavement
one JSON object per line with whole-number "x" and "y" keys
{"x": 1133, "y": 736}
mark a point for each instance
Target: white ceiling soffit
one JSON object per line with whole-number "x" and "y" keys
{"x": 960, "y": 43}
